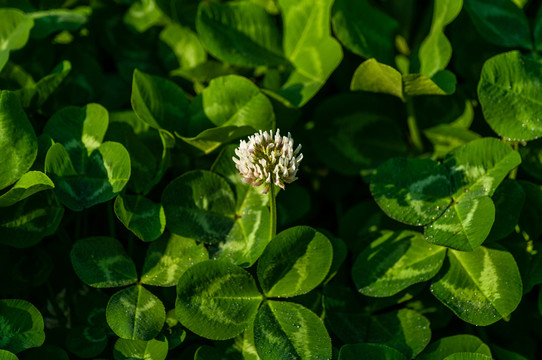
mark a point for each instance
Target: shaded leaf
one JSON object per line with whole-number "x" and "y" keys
{"x": 102, "y": 262}
{"x": 143, "y": 217}
{"x": 500, "y": 22}
{"x": 199, "y": 205}
{"x": 247, "y": 25}
{"x": 22, "y": 325}
{"x": 454, "y": 344}
{"x": 364, "y": 29}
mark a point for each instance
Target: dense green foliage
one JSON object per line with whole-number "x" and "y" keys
{"x": 126, "y": 231}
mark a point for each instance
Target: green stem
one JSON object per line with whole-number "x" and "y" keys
{"x": 273, "y": 210}
{"x": 413, "y": 129}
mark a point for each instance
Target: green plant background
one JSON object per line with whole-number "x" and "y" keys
{"x": 412, "y": 232}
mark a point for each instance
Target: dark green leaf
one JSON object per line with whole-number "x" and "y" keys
{"x": 395, "y": 261}
{"x": 102, "y": 262}
{"x": 369, "y": 351}
{"x": 413, "y": 191}
{"x": 364, "y": 29}
{"x": 155, "y": 349}
{"x": 35, "y": 95}
{"x": 509, "y": 199}
{"x": 143, "y": 217}
{"x": 285, "y": 330}
{"x": 217, "y": 299}
{"x": 355, "y": 132}
{"x": 294, "y": 262}
{"x": 159, "y": 102}
{"x": 168, "y": 257}
{"x": 509, "y": 93}
{"x": 28, "y": 221}
{"x": 247, "y": 25}
{"x": 17, "y": 139}
{"x": 500, "y": 22}
{"x": 200, "y": 205}
{"x": 106, "y": 172}
{"x": 86, "y": 341}
{"x": 51, "y": 21}
{"x": 135, "y": 313}
{"x": 530, "y": 219}
{"x": 22, "y": 325}
{"x": 480, "y": 286}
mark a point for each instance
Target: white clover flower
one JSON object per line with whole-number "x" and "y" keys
{"x": 268, "y": 159}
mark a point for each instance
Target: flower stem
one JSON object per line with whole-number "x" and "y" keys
{"x": 273, "y": 211}
{"x": 413, "y": 129}
{"x": 514, "y": 171}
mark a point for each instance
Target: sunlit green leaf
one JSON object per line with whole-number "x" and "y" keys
{"x": 436, "y": 51}
{"x": 309, "y": 47}
{"x": 413, "y": 191}
{"x": 379, "y": 78}
{"x": 14, "y": 32}
{"x": 135, "y": 313}
{"x": 17, "y": 139}
{"x": 289, "y": 331}
{"x": 395, "y": 261}
{"x": 168, "y": 257}
{"x": 29, "y": 184}
{"x": 480, "y": 286}
{"x": 509, "y": 93}
{"x": 217, "y": 299}
{"x": 294, "y": 262}
{"x": 155, "y": 349}
{"x": 454, "y": 344}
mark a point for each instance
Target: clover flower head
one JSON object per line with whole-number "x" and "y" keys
{"x": 268, "y": 159}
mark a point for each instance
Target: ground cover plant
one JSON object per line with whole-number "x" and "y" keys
{"x": 154, "y": 202}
